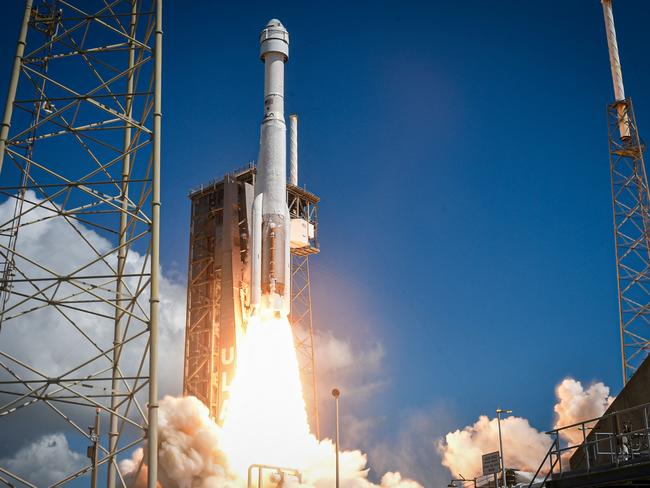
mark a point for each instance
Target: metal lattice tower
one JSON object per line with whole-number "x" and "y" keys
{"x": 631, "y": 204}
{"x": 303, "y": 334}
{"x": 79, "y": 230}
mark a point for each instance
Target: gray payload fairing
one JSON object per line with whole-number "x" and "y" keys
{"x": 270, "y": 271}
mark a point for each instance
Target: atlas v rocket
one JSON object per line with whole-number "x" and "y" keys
{"x": 270, "y": 272}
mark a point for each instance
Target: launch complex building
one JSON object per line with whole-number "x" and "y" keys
{"x": 219, "y": 285}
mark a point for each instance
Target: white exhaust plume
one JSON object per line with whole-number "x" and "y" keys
{"x": 191, "y": 456}
{"x": 576, "y": 404}
{"x": 524, "y": 446}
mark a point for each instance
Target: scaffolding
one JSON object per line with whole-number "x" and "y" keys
{"x": 79, "y": 231}
{"x": 217, "y": 288}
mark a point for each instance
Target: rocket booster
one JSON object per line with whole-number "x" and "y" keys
{"x": 270, "y": 272}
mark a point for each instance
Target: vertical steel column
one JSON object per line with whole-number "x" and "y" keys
{"x": 13, "y": 81}
{"x": 113, "y": 433}
{"x": 95, "y": 447}
{"x": 336, "y": 393}
{"x": 152, "y": 445}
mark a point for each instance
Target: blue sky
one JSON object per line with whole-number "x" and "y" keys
{"x": 460, "y": 151}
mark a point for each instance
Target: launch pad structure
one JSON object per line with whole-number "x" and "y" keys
{"x": 219, "y": 286}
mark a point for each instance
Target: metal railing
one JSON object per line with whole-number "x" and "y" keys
{"x": 618, "y": 438}
{"x": 278, "y": 475}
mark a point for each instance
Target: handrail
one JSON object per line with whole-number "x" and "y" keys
{"x": 625, "y": 445}
{"x": 549, "y": 456}
{"x": 611, "y": 414}
{"x": 278, "y": 469}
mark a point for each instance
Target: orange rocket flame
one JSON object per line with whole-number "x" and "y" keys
{"x": 266, "y": 421}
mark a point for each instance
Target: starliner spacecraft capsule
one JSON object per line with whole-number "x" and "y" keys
{"x": 270, "y": 271}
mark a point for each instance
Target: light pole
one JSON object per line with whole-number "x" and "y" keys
{"x": 336, "y": 394}
{"x": 503, "y": 464}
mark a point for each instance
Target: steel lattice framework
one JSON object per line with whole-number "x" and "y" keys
{"x": 303, "y": 334}
{"x": 304, "y": 205}
{"x": 79, "y": 231}
{"x": 631, "y": 207}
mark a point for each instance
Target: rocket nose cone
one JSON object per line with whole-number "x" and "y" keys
{"x": 274, "y": 23}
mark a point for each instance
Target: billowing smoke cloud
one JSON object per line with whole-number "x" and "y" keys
{"x": 577, "y": 404}
{"x": 524, "y": 446}
{"x": 190, "y": 456}
{"x": 189, "y": 453}
{"x": 45, "y": 461}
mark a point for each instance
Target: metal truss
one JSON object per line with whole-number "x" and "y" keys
{"x": 304, "y": 205}
{"x": 303, "y": 334}
{"x": 79, "y": 234}
{"x": 631, "y": 204}
{"x": 202, "y": 377}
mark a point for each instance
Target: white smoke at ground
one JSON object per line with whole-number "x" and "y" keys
{"x": 577, "y": 404}
{"x": 524, "y": 446}
{"x": 190, "y": 456}
{"x": 45, "y": 461}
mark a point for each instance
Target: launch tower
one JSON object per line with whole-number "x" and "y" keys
{"x": 218, "y": 286}
{"x": 631, "y": 207}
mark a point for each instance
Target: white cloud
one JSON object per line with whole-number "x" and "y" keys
{"x": 45, "y": 339}
{"x": 44, "y": 462}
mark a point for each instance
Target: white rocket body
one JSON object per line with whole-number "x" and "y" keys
{"x": 270, "y": 267}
